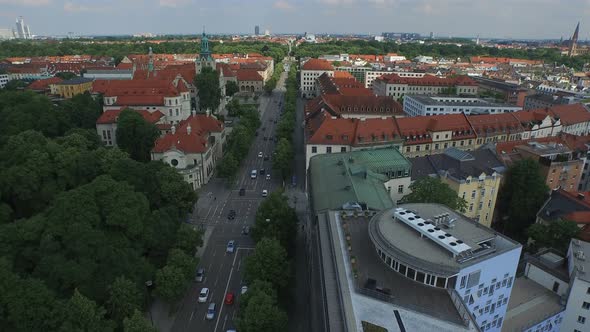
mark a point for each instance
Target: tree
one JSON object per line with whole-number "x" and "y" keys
{"x": 433, "y": 190}
{"x": 187, "y": 264}
{"x": 283, "y": 159}
{"x": 82, "y": 111}
{"x": 268, "y": 263}
{"x": 208, "y": 89}
{"x": 82, "y": 314}
{"x": 14, "y": 85}
{"x": 137, "y": 323}
{"x": 188, "y": 239}
{"x": 231, "y": 88}
{"x": 124, "y": 299}
{"x": 275, "y": 219}
{"x": 556, "y": 235}
{"x": 521, "y": 196}
{"x": 228, "y": 166}
{"x": 256, "y": 287}
{"x": 170, "y": 283}
{"x": 135, "y": 135}
{"x": 262, "y": 315}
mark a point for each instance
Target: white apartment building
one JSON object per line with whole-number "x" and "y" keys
{"x": 371, "y": 75}
{"x": 310, "y": 71}
{"x": 420, "y": 105}
{"x": 577, "y": 312}
{"x": 396, "y": 86}
{"x": 3, "y": 80}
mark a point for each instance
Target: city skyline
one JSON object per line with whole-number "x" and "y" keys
{"x": 521, "y": 19}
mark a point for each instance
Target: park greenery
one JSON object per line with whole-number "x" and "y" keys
{"x": 269, "y": 269}
{"x": 208, "y": 89}
{"x": 123, "y": 47}
{"x": 239, "y": 140}
{"x": 432, "y": 190}
{"x": 83, "y": 227}
{"x": 282, "y": 160}
{"x": 521, "y": 196}
{"x": 231, "y": 87}
{"x": 271, "y": 84}
{"x": 135, "y": 135}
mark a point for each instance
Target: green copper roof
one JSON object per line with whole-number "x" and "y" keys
{"x": 357, "y": 176}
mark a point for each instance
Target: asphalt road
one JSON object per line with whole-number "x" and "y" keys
{"x": 223, "y": 270}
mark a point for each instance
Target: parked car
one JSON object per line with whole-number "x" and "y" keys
{"x": 230, "y": 246}
{"x": 200, "y": 275}
{"x": 203, "y": 295}
{"x": 211, "y": 311}
{"x": 229, "y": 298}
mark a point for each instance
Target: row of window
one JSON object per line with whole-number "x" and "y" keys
{"x": 497, "y": 322}
{"x": 416, "y": 275}
{"x": 437, "y": 146}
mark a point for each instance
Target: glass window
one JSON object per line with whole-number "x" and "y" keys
{"x": 314, "y": 149}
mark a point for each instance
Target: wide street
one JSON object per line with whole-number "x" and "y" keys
{"x": 223, "y": 270}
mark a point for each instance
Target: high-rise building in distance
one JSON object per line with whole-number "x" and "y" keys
{"x": 256, "y": 30}
{"x": 22, "y": 30}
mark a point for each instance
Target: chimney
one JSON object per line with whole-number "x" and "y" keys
{"x": 208, "y": 112}
{"x": 173, "y": 129}
{"x": 194, "y": 112}
{"x": 188, "y": 129}
{"x": 581, "y": 196}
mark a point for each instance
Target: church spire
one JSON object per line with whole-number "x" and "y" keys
{"x": 151, "y": 61}
{"x": 205, "y": 52}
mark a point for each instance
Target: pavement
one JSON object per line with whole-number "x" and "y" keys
{"x": 223, "y": 270}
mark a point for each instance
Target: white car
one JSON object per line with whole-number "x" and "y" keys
{"x": 268, "y": 176}
{"x": 260, "y": 154}
{"x": 203, "y": 295}
{"x": 244, "y": 290}
{"x": 230, "y": 246}
{"x": 264, "y": 193}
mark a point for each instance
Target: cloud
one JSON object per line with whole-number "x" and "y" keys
{"x": 30, "y": 3}
{"x": 337, "y": 2}
{"x": 173, "y": 3}
{"x": 283, "y": 5}
{"x": 71, "y": 7}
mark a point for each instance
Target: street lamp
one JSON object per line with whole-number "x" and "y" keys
{"x": 149, "y": 285}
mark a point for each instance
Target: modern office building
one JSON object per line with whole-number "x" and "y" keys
{"x": 256, "y": 30}
{"x": 3, "y": 80}
{"x": 417, "y": 105}
{"x": 22, "y": 30}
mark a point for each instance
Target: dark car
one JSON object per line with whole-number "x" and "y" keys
{"x": 231, "y": 215}
{"x": 246, "y": 230}
{"x": 242, "y": 191}
{"x": 262, "y": 171}
{"x": 265, "y": 138}
{"x": 265, "y": 157}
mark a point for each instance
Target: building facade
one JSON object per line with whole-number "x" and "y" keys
{"x": 395, "y": 86}
{"x": 75, "y": 86}
{"x": 310, "y": 71}
{"x": 420, "y": 105}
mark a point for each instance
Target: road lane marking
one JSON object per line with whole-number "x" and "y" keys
{"x": 231, "y": 271}
{"x": 224, "y": 322}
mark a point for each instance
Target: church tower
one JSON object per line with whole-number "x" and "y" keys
{"x": 574, "y": 42}
{"x": 205, "y": 59}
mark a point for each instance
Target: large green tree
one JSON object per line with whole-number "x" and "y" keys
{"x": 208, "y": 89}
{"x": 262, "y": 315}
{"x": 135, "y": 135}
{"x": 137, "y": 323}
{"x": 269, "y": 262}
{"x": 433, "y": 190}
{"x": 170, "y": 283}
{"x": 282, "y": 161}
{"x": 82, "y": 314}
{"x": 275, "y": 219}
{"x": 555, "y": 235}
{"x": 521, "y": 196}
{"x": 231, "y": 88}
{"x": 124, "y": 299}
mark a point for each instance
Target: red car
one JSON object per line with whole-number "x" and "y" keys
{"x": 229, "y": 298}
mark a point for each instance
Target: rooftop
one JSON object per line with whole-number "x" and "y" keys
{"x": 76, "y": 80}
{"x": 581, "y": 264}
{"x": 357, "y": 176}
{"x": 463, "y": 243}
{"x": 530, "y": 304}
{"x": 317, "y": 64}
{"x": 459, "y": 102}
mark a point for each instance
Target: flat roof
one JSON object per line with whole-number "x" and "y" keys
{"x": 408, "y": 244}
{"x": 581, "y": 258}
{"x": 432, "y": 101}
{"x": 530, "y": 304}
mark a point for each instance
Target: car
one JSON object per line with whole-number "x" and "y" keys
{"x": 260, "y": 154}
{"x": 262, "y": 171}
{"x": 200, "y": 275}
{"x": 268, "y": 176}
{"x": 242, "y": 191}
{"x": 229, "y": 298}
{"x": 246, "y": 230}
{"x": 231, "y": 215}
{"x": 265, "y": 138}
{"x": 266, "y": 157}
{"x": 263, "y": 128}
{"x": 264, "y": 193}
{"x": 244, "y": 290}
{"x": 211, "y": 311}
{"x": 203, "y": 295}
{"x": 230, "y": 246}
{"x": 253, "y": 174}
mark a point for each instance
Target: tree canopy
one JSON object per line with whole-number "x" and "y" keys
{"x": 268, "y": 263}
{"x": 135, "y": 135}
{"x": 208, "y": 89}
{"x": 556, "y": 235}
{"x": 433, "y": 190}
{"x": 275, "y": 219}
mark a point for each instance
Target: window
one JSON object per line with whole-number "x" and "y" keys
{"x": 328, "y": 149}
{"x": 581, "y": 319}
{"x": 586, "y": 305}
{"x": 400, "y": 189}
{"x": 463, "y": 280}
{"x": 174, "y": 162}
{"x": 471, "y": 207}
{"x": 314, "y": 149}
{"x": 473, "y": 279}
{"x": 343, "y": 149}
{"x": 473, "y": 194}
{"x": 556, "y": 288}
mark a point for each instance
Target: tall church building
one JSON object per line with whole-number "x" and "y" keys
{"x": 205, "y": 59}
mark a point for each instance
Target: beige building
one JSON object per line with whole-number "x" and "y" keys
{"x": 475, "y": 176}
{"x": 395, "y": 86}
{"x": 75, "y": 86}
{"x": 310, "y": 71}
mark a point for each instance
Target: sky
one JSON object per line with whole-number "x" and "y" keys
{"x": 537, "y": 19}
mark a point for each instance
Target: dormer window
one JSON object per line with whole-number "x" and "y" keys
{"x": 345, "y": 137}
{"x": 329, "y": 137}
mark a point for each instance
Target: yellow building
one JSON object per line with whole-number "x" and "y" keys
{"x": 475, "y": 176}
{"x": 75, "y": 86}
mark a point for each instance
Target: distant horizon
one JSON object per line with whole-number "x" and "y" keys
{"x": 524, "y": 19}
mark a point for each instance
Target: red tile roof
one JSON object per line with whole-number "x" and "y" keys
{"x": 333, "y": 131}
{"x": 376, "y": 130}
{"x": 40, "y": 85}
{"x": 570, "y": 114}
{"x": 194, "y": 141}
{"x": 508, "y": 147}
{"x": 494, "y": 123}
{"x": 111, "y": 116}
{"x": 342, "y": 74}
{"x": 248, "y": 75}
{"x": 317, "y": 64}
{"x": 427, "y": 80}
{"x": 338, "y": 105}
